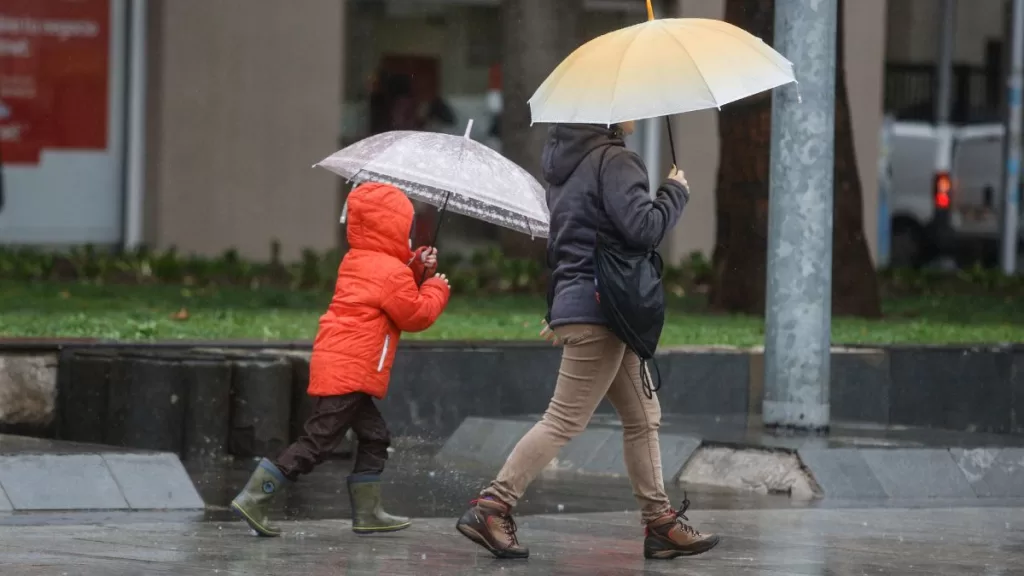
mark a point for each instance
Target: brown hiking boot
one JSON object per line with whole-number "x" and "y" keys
{"x": 669, "y": 537}
{"x": 489, "y": 524}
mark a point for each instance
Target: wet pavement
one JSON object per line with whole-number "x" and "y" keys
{"x": 574, "y": 525}
{"x": 810, "y": 542}
{"x": 416, "y": 485}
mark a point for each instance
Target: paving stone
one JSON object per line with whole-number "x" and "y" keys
{"x": 59, "y": 482}
{"x": 28, "y": 389}
{"x": 842, "y": 473}
{"x": 1017, "y": 390}
{"x": 502, "y": 439}
{"x": 607, "y": 461}
{"x": 704, "y": 381}
{"x": 432, "y": 391}
{"x": 576, "y": 454}
{"x": 675, "y": 453}
{"x": 153, "y": 481}
{"x": 483, "y": 441}
{"x": 918, "y": 473}
{"x": 260, "y": 406}
{"x": 860, "y": 385}
{"x": 955, "y": 388}
{"x": 208, "y": 413}
{"x": 755, "y": 542}
{"x": 465, "y": 441}
{"x": 992, "y": 472}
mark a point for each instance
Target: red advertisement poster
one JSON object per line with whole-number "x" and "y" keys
{"x": 54, "y": 68}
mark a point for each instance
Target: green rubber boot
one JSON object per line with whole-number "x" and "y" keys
{"x": 253, "y": 502}
{"x": 367, "y": 515}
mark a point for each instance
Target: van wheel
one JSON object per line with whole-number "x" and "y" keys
{"x": 907, "y": 249}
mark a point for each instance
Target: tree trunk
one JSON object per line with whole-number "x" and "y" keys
{"x": 740, "y": 254}
{"x": 537, "y": 36}
{"x": 741, "y": 194}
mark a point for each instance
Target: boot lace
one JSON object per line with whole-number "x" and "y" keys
{"x": 681, "y": 518}
{"x": 508, "y": 524}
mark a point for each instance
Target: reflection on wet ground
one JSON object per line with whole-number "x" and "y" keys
{"x": 574, "y": 525}
{"x": 809, "y": 542}
{"x": 415, "y": 485}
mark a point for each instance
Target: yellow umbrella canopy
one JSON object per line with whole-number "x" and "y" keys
{"x": 658, "y": 68}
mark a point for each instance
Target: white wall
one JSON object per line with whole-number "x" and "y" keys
{"x": 245, "y": 95}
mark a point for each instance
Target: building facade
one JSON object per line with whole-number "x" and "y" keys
{"x": 195, "y": 124}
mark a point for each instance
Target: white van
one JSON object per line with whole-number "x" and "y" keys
{"x": 946, "y": 190}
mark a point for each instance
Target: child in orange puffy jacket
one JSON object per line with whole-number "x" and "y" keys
{"x": 378, "y": 296}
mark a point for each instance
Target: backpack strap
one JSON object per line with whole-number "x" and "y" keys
{"x": 648, "y": 384}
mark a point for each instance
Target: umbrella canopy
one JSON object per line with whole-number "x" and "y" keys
{"x": 658, "y": 68}
{"x": 451, "y": 172}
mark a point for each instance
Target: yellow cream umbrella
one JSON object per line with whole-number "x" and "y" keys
{"x": 658, "y": 68}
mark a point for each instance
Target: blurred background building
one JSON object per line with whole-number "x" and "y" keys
{"x": 195, "y": 124}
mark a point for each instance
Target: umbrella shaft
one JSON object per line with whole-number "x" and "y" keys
{"x": 437, "y": 229}
{"x": 671, "y": 141}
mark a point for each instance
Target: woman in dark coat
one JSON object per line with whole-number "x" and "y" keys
{"x": 594, "y": 185}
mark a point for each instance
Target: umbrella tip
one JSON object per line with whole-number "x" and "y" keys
{"x": 469, "y": 128}
{"x": 650, "y": 11}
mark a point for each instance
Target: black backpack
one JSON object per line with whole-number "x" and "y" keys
{"x": 631, "y": 294}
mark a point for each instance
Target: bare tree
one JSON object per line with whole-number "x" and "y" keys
{"x": 738, "y": 282}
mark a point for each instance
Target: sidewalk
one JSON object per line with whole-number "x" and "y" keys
{"x": 808, "y": 542}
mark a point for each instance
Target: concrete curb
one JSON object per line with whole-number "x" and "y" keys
{"x": 846, "y": 473}
{"x": 69, "y": 476}
{"x": 435, "y": 386}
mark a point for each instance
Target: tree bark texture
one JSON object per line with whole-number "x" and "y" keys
{"x": 537, "y": 36}
{"x": 740, "y": 253}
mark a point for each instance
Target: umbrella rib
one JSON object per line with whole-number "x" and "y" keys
{"x": 751, "y": 41}
{"x": 618, "y": 69}
{"x": 362, "y": 167}
{"x": 565, "y": 66}
{"x": 695, "y": 65}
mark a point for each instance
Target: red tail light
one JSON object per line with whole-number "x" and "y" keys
{"x": 943, "y": 190}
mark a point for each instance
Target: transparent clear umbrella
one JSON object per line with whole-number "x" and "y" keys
{"x": 451, "y": 172}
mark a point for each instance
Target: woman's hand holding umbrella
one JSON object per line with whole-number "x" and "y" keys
{"x": 677, "y": 175}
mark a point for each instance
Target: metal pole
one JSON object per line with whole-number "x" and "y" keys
{"x": 135, "y": 156}
{"x": 1011, "y": 203}
{"x": 944, "y": 66}
{"x": 799, "y": 292}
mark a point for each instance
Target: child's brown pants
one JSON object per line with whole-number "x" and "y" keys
{"x": 332, "y": 417}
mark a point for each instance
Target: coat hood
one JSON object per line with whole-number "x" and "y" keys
{"x": 379, "y": 219}
{"x": 569, "y": 144}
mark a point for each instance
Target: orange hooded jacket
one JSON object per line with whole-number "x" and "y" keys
{"x": 376, "y": 298}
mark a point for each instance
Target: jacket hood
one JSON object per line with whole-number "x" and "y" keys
{"x": 569, "y": 144}
{"x": 379, "y": 219}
